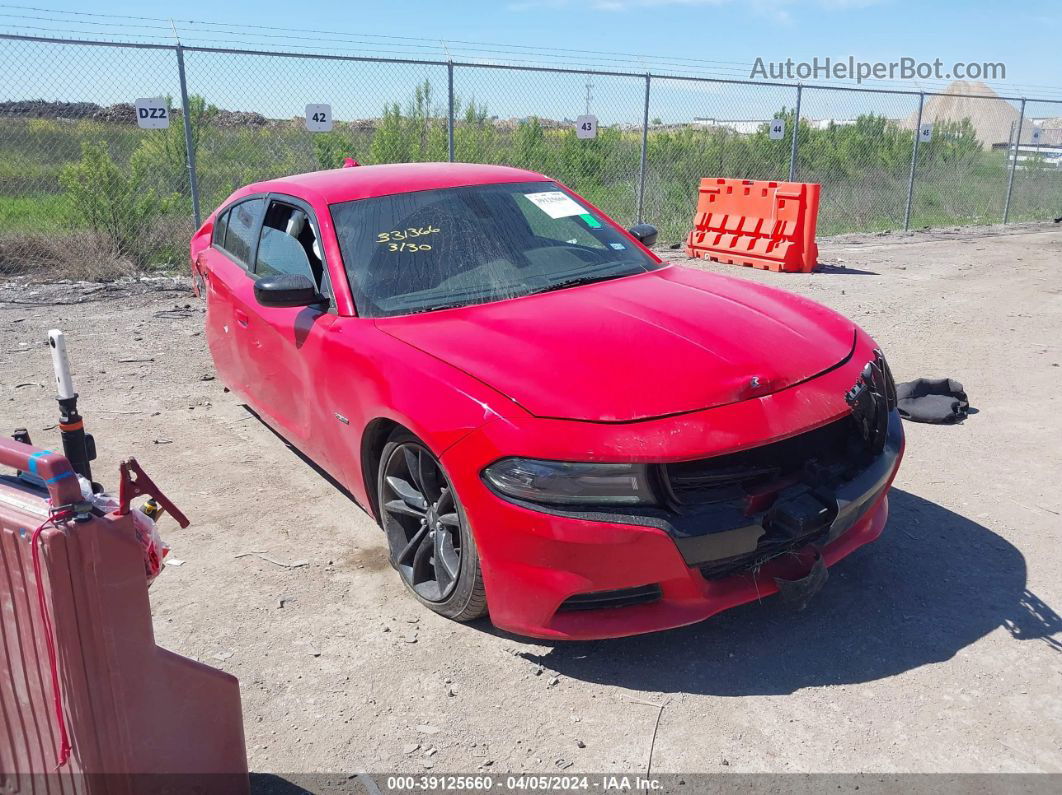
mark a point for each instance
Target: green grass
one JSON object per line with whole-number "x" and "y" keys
{"x": 41, "y": 212}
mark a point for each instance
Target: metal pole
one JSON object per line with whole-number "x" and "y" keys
{"x": 1014, "y": 161}
{"x": 914, "y": 161}
{"x": 189, "y": 146}
{"x": 796, "y": 129}
{"x": 450, "y": 112}
{"x": 645, "y": 149}
{"x": 78, "y": 446}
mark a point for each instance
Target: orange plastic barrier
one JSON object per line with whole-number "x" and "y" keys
{"x": 139, "y": 718}
{"x": 769, "y": 225}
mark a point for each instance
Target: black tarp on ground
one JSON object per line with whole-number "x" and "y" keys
{"x": 938, "y": 400}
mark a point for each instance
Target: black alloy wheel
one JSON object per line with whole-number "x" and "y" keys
{"x": 424, "y": 523}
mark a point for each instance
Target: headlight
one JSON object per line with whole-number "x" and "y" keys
{"x": 566, "y": 483}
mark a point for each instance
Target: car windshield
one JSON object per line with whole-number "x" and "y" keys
{"x": 437, "y": 249}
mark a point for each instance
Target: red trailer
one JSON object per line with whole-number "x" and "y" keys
{"x": 88, "y": 701}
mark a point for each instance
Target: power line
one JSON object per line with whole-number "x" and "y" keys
{"x": 434, "y": 42}
{"x": 721, "y": 66}
{"x": 401, "y": 46}
{"x": 82, "y": 22}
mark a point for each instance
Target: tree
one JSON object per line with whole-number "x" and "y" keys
{"x": 114, "y": 203}
{"x": 418, "y": 134}
{"x": 475, "y": 136}
{"x": 330, "y": 149}
{"x": 162, "y": 156}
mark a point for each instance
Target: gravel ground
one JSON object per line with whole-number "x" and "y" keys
{"x": 934, "y": 649}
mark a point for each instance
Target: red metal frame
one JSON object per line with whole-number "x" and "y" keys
{"x": 136, "y": 483}
{"x": 136, "y": 713}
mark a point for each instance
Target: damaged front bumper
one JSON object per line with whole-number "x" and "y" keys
{"x": 553, "y": 572}
{"x": 808, "y": 512}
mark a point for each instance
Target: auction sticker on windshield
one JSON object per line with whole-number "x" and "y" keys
{"x": 555, "y": 203}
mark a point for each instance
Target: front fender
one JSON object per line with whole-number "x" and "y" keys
{"x": 372, "y": 376}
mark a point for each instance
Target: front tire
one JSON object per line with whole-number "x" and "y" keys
{"x": 431, "y": 544}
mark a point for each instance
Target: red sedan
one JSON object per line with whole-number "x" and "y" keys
{"x": 546, "y": 420}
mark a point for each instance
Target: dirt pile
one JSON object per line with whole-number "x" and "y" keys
{"x": 119, "y": 113}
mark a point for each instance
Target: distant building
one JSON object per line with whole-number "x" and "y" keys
{"x": 750, "y": 126}
{"x": 825, "y": 124}
{"x": 742, "y": 126}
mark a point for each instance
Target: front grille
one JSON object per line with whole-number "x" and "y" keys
{"x": 740, "y": 475}
{"x": 768, "y": 549}
{"x": 624, "y": 597}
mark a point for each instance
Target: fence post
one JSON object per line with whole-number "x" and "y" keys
{"x": 189, "y": 145}
{"x": 450, "y": 111}
{"x": 645, "y": 149}
{"x": 1014, "y": 161}
{"x": 914, "y": 161}
{"x": 796, "y": 130}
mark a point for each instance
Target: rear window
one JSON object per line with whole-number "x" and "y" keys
{"x": 242, "y": 234}
{"x": 437, "y": 249}
{"x": 219, "y": 229}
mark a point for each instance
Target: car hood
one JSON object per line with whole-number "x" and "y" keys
{"x": 664, "y": 342}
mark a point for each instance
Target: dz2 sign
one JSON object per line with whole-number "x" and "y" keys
{"x": 152, "y": 114}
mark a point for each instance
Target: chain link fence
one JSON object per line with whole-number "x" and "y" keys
{"x": 253, "y": 125}
{"x": 858, "y": 145}
{"x": 702, "y": 129}
{"x": 959, "y": 176}
{"x": 1037, "y": 161}
{"x": 526, "y": 119}
{"x": 83, "y": 189}
{"x": 87, "y": 191}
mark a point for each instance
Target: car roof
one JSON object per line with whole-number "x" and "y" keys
{"x": 362, "y": 182}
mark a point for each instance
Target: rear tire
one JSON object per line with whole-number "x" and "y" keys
{"x": 430, "y": 541}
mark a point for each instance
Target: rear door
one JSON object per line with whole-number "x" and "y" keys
{"x": 287, "y": 360}
{"x": 226, "y": 267}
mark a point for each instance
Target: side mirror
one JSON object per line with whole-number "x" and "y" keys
{"x": 286, "y": 289}
{"x": 645, "y": 233}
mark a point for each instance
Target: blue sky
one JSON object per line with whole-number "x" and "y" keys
{"x": 728, "y": 35}
{"x": 1025, "y": 36}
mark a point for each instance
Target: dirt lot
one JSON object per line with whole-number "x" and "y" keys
{"x": 934, "y": 649}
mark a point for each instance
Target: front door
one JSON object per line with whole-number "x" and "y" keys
{"x": 284, "y": 357}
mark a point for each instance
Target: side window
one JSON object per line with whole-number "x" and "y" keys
{"x": 289, "y": 244}
{"x": 219, "y": 229}
{"x": 242, "y": 229}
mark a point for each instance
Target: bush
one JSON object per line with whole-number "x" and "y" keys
{"x": 115, "y": 204}
{"x": 79, "y": 255}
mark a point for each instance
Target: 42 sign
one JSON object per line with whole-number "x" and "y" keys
{"x": 319, "y": 118}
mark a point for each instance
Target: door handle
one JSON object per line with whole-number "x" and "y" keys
{"x": 241, "y": 318}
